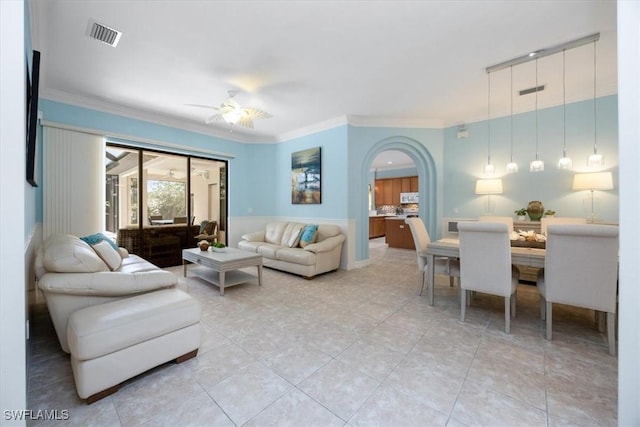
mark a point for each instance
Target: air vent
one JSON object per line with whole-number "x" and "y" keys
{"x": 104, "y": 34}
{"x": 532, "y": 90}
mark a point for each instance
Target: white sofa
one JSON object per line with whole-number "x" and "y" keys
{"x": 279, "y": 245}
{"x": 72, "y": 276}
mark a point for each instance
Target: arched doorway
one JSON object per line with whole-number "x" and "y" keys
{"x": 427, "y": 184}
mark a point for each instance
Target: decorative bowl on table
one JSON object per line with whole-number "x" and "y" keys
{"x": 218, "y": 247}
{"x": 203, "y": 245}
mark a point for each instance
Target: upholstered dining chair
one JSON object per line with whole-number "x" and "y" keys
{"x": 485, "y": 265}
{"x": 442, "y": 265}
{"x": 545, "y": 221}
{"x": 580, "y": 269}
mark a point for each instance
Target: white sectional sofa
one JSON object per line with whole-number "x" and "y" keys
{"x": 72, "y": 276}
{"x": 279, "y": 244}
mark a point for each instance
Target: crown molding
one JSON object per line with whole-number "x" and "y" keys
{"x": 309, "y": 130}
{"x": 147, "y": 116}
{"x": 395, "y": 122}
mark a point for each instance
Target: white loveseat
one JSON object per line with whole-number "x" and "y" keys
{"x": 72, "y": 276}
{"x": 279, "y": 245}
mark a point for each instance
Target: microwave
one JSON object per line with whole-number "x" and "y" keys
{"x": 408, "y": 197}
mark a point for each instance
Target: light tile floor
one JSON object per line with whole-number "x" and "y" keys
{"x": 353, "y": 348}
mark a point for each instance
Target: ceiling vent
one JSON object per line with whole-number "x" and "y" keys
{"x": 532, "y": 90}
{"x": 104, "y": 34}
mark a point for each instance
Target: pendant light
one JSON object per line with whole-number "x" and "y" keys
{"x": 536, "y": 165}
{"x": 595, "y": 160}
{"x": 489, "y": 169}
{"x": 512, "y": 167}
{"x": 564, "y": 162}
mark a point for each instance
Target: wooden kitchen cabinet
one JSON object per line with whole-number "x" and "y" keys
{"x": 376, "y": 226}
{"x": 387, "y": 190}
{"x": 406, "y": 184}
{"x": 396, "y": 189}
{"x": 398, "y": 234}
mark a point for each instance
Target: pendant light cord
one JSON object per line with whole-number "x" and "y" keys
{"x": 595, "y": 124}
{"x": 537, "y": 89}
{"x": 489, "y": 121}
{"x": 564, "y": 107}
{"x": 511, "y": 120}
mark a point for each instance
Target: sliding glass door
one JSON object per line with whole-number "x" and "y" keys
{"x": 157, "y": 202}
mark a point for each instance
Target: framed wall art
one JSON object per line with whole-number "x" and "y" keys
{"x": 305, "y": 177}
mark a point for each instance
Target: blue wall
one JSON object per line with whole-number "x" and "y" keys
{"x": 465, "y": 158}
{"x": 259, "y": 174}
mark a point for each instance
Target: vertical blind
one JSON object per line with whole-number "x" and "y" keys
{"x": 73, "y": 182}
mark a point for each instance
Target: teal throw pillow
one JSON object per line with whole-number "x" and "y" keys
{"x": 309, "y": 235}
{"x": 97, "y": 238}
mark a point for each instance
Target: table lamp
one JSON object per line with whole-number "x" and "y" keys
{"x": 489, "y": 187}
{"x": 592, "y": 181}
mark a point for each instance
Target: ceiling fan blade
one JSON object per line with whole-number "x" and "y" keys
{"x": 245, "y": 121}
{"x": 211, "y": 107}
{"x": 257, "y": 114}
{"x": 215, "y": 118}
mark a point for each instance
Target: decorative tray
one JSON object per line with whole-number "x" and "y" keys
{"x": 528, "y": 244}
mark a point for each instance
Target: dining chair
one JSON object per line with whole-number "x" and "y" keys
{"x": 545, "y": 221}
{"x": 442, "y": 265}
{"x": 485, "y": 265}
{"x": 581, "y": 270}
{"x": 503, "y": 219}
{"x": 153, "y": 218}
{"x": 180, "y": 220}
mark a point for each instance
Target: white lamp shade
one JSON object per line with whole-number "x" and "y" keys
{"x": 593, "y": 181}
{"x": 489, "y": 186}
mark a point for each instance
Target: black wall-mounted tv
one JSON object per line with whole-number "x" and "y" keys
{"x": 32, "y": 117}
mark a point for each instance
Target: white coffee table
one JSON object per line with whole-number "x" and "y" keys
{"x": 221, "y": 268}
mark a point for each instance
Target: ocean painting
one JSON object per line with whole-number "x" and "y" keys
{"x": 305, "y": 177}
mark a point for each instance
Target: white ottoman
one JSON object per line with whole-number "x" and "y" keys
{"x": 118, "y": 340}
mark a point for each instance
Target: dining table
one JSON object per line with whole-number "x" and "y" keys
{"x": 450, "y": 248}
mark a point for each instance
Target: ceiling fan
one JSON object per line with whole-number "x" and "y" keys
{"x": 233, "y": 113}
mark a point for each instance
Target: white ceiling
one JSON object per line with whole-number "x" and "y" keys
{"x": 312, "y": 64}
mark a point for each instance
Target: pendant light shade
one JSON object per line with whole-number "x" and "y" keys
{"x": 512, "y": 167}
{"x": 536, "y": 165}
{"x": 595, "y": 159}
{"x": 565, "y": 162}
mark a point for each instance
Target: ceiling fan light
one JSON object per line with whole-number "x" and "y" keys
{"x": 232, "y": 116}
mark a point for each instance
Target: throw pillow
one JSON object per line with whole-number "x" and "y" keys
{"x": 291, "y": 234}
{"x": 97, "y": 238}
{"x": 309, "y": 235}
{"x": 110, "y": 256}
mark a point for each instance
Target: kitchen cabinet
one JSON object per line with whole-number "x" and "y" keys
{"x": 396, "y": 189}
{"x": 376, "y": 226}
{"x": 406, "y": 184}
{"x": 387, "y": 190}
{"x": 414, "y": 184}
{"x": 398, "y": 234}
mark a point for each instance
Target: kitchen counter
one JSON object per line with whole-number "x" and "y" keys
{"x": 398, "y": 234}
